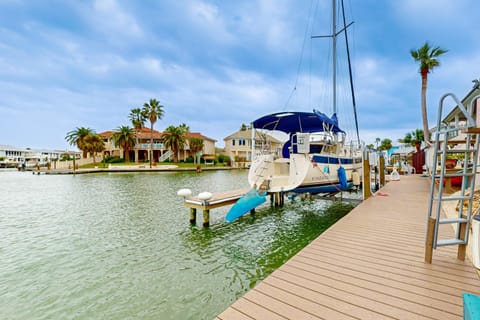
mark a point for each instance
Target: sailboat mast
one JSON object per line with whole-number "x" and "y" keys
{"x": 334, "y": 54}
{"x": 334, "y": 57}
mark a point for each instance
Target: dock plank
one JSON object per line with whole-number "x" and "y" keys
{"x": 369, "y": 265}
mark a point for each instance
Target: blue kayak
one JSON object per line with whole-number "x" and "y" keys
{"x": 247, "y": 202}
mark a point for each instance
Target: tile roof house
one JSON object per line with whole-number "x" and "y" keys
{"x": 140, "y": 153}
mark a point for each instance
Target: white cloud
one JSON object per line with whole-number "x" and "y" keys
{"x": 271, "y": 25}
{"x": 426, "y": 10}
{"x": 110, "y": 18}
{"x": 208, "y": 22}
{"x": 215, "y": 65}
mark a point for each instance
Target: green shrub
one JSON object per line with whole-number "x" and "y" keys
{"x": 189, "y": 160}
{"x": 223, "y": 158}
{"x": 110, "y": 159}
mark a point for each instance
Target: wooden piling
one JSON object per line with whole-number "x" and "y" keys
{"x": 429, "y": 242}
{"x": 193, "y": 215}
{"x": 206, "y": 218}
{"x": 462, "y": 248}
{"x": 278, "y": 199}
{"x": 366, "y": 178}
{"x": 382, "y": 170}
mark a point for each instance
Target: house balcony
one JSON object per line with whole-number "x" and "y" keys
{"x": 146, "y": 146}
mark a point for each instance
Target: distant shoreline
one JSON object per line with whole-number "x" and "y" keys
{"x": 125, "y": 169}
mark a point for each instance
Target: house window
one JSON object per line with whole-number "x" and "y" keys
{"x": 241, "y": 142}
{"x": 233, "y": 142}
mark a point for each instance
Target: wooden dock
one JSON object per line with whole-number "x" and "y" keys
{"x": 369, "y": 265}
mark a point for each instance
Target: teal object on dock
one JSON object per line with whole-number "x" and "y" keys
{"x": 247, "y": 202}
{"x": 471, "y": 306}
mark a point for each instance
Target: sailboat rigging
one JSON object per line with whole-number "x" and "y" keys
{"x": 316, "y": 157}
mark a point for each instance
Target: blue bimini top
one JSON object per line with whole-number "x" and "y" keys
{"x": 292, "y": 122}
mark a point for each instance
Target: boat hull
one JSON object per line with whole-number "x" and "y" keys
{"x": 314, "y": 173}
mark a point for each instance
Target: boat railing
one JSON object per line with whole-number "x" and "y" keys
{"x": 317, "y": 142}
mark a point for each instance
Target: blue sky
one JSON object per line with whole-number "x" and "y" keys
{"x": 217, "y": 64}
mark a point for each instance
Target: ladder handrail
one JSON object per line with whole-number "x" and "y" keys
{"x": 470, "y": 120}
{"x": 468, "y": 150}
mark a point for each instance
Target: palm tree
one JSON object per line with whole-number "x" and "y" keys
{"x": 77, "y": 137}
{"x": 414, "y": 138}
{"x": 137, "y": 118}
{"x": 196, "y": 145}
{"x": 174, "y": 139}
{"x": 184, "y": 127}
{"x": 152, "y": 111}
{"x": 386, "y": 144}
{"x": 426, "y": 55}
{"x": 94, "y": 143}
{"x": 124, "y": 137}
{"x": 377, "y": 141}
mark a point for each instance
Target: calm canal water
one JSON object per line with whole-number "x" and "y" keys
{"x": 119, "y": 246}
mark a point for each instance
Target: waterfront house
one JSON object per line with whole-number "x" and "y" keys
{"x": 140, "y": 153}
{"x": 454, "y": 119}
{"x": 238, "y": 146}
{"x": 11, "y": 156}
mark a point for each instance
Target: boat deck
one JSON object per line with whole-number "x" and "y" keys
{"x": 369, "y": 265}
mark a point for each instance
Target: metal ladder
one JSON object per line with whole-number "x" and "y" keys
{"x": 259, "y": 174}
{"x": 437, "y": 196}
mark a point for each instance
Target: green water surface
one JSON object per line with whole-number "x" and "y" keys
{"x": 119, "y": 246}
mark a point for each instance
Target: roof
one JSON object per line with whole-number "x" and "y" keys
{"x": 247, "y": 134}
{"x": 475, "y": 92}
{"x": 144, "y": 133}
{"x": 198, "y": 135}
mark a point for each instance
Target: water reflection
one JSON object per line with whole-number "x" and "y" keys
{"x": 120, "y": 246}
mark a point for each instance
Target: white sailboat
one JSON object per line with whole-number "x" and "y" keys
{"x": 316, "y": 158}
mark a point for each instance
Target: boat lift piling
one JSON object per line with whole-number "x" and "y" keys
{"x": 206, "y": 201}
{"x": 277, "y": 199}
{"x": 378, "y": 161}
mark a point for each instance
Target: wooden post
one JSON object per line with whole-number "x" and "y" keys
{"x": 206, "y": 218}
{"x": 462, "y": 247}
{"x": 279, "y": 199}
{"x": 429, "y": 242}
{"x": 193, "y": 215}
{"x": 366, "y": 177}
{"x": 74, "y": 162}
{"x": 382, "y": 170}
